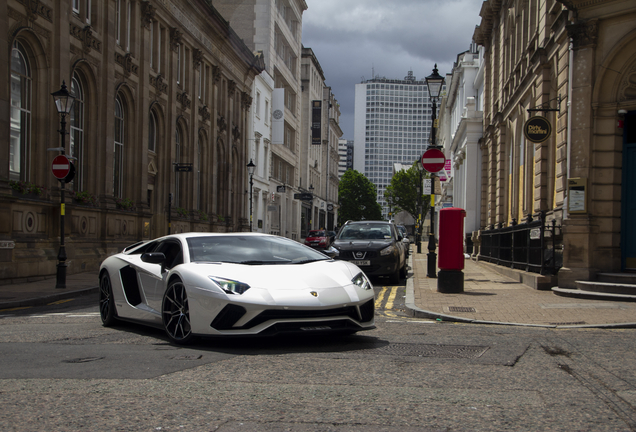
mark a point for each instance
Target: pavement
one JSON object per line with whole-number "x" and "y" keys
{"x": 487, "y": 298}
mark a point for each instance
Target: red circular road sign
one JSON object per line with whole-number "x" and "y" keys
{"x": 60, "y": 167}
{"x": 433, "y": 160}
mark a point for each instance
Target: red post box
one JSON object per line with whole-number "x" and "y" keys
{"x": 451, "y": 239}
{"x": 450, "y": 278}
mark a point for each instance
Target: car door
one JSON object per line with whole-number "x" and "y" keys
{"x": 152, "y": 276}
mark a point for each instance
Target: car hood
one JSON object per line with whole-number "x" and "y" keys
{"x": 348, "y": 245}
{"x": 316, "y": 275}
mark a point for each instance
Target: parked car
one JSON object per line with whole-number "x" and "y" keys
{"x": 318, "y": 239}
{"x": 405, "y": 238}
{"x": 374, "y": 246}
{"x": 230, "y": 284}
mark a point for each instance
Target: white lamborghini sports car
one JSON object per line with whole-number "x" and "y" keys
{"x": 228, "y": 284}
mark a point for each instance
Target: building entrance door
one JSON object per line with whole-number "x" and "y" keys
{"x": 628, "y": 216}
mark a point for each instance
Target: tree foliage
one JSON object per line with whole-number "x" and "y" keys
{"x": 401, "y": 193}
{"x": 357, "y": 198}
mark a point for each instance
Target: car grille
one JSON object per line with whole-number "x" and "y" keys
{"x": 230, "y": 314}
{"x": 349, "y": 255}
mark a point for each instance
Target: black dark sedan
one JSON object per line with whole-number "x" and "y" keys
{"x": 374, "y": 246}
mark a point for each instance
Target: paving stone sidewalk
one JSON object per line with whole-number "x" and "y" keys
{"x": 493, "y": 298}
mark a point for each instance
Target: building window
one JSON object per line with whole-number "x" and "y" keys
{"x": 20, "y": 145}
{"x": 152, "y": 132}
{"x": 77, "y": 132}
{"x": 118, "y": 21}
{"x": 118, "y": 162}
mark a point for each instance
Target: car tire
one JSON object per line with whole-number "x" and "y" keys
{"x": 175, "y": 313}
{"x": 107, "y": 310}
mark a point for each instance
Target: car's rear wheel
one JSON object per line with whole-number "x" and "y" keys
{"x": 176, "y": 313}
{"x": 106, "y": 303}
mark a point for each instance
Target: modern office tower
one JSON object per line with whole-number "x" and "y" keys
{"x": 392, "y": 124}
{"x": 345, "y": 156}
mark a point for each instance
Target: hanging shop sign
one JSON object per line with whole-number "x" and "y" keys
{"x": 537, "y": 129}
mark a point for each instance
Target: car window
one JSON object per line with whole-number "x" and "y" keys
{"x": 250, "y": 250}
{"x": 366, "y": 232}
{"x": 316, "y": 234}
{"x": 172, "y": 250}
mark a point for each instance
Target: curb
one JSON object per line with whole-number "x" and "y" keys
{"x": 416, "y": 312}
{"x": 42, "y": 301}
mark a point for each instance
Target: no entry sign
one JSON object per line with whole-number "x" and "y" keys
{"x": 433, "y": 160}
{"x": 60, "y": 167}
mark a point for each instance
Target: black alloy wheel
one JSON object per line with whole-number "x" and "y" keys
{"x": 106, "y": 302}
{"x": 176, "y": 313}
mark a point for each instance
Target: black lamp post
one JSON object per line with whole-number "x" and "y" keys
{"x": 434, "y": 82}
{"x": 420, "y": 220}
{"x": 311, "y": 212}
{"x": 250, "y": 171}
{"x": 64, "y": 104}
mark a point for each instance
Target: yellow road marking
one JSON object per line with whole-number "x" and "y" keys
{"x": 15, "y": 309}
{"x": 60, "y": 302}
{"x": 380, "y": 297}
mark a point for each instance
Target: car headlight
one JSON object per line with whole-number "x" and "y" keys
{"x": 230, "y": 286}
{"x": 387, "y": 250}
{"x": 362, "y": 281}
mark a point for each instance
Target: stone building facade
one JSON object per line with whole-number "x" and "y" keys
{"x": 274, "y": 29}
{"x": 573, "y": 62}
{"x": 158, "y": 133}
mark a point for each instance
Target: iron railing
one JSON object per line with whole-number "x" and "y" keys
{"x": 522, "y": 246}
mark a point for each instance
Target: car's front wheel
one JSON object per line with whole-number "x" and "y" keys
{"x": 107, "y": 310}
{"x": 176, "y": 313}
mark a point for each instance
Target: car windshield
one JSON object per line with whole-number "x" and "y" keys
{"x": 253, "y": 250}
{"x": 365, "y": 232}
{"x": 316, "y": 234}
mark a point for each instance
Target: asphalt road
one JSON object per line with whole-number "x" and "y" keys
{"x": 62, "y": 371}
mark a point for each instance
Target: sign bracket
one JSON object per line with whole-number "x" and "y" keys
{"x": 544, "y": 108}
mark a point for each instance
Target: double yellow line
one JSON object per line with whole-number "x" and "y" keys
{"x": 392, "y": 292}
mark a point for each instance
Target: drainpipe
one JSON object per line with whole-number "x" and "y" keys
{"x": 569, "y": 139}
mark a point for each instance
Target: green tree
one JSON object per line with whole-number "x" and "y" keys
{"x": 357, "y": 198}
{"x": 401, "y": 193}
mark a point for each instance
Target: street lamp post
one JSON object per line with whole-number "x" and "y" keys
{"x": 420, "y": 220}
{"x": 250, "y": 171}
{"x": 64, "y": 104}
{"x": 311, "y": 211}
{"x": 434, "y": 82}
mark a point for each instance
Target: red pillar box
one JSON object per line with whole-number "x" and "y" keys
{"x": 450, "y": 278}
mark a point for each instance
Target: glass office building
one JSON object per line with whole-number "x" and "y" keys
{"x": 392, "y": 124}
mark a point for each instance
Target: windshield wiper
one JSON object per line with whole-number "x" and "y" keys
{"x": 310, "y": 260}
{"x": 257, "y": 262}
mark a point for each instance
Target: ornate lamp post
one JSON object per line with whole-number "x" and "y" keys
{"x": 434, "y": 82}
{"x": 64, "y": 103}
{"x": 250, "y": 171}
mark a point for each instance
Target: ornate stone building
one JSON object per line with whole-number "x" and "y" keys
{"x": 574, "y": 63}
{"x": 157, "y": 135}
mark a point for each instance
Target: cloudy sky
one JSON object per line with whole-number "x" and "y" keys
{"x": 355, "y": 39}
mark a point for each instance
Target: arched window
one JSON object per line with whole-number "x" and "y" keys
{"x": 77, "y": 132}
{"x": 118, "y": 161}
{"x": 152, "y": 132}
{"x": 20, "y": 140}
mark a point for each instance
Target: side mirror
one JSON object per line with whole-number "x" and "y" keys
{"x": 331, "y": 252}
{"x": 153, "y": 257}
